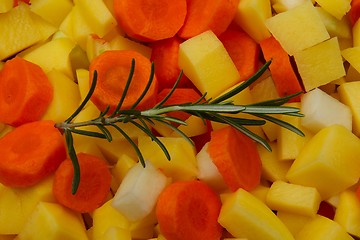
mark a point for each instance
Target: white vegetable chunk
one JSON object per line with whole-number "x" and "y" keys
{"x": 207, "y": 170}
{"x": 322, "y": 110}
{"x": 138, "y": 192}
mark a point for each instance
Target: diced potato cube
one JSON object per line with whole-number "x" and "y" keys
{"x": 322, "y": 228}
{"x": 356, "y": 35}
{"x": 298, "y": 28}
{"x": 289, "y": 143}
{"x": 107, "y": 217}
{"x": 251, "y": 16}
{"x": 329, "y": 161}
{"x": 116, "y": 233}
{"x": 272, "y": 167}
{"x": 6, "y": 5}
{"x": 119, "y": 42}
{"x": 18, "y": 31}
{"x": 52, "y": 11}
{"x": 57, "y": 50}
{"x": 243, "y": 215}
{"x": 294, "y": 222}
{"x": 324, "y": 58}
{"x": 321, "y": 110}
{"x": 120, "y": 169}
{"x": 66, "y": 97}
{"x": 336, "y": 8}
{"x": 51, "y": 221}
{"x": 349, "y": 95}
{"x": 348, "y": 212}
{"x": 335, "y": 27}
{"x": 182, "y": 165}
{"x": 352, "y": 55}
{"x": 207, "y": 64}
{"x": 293, "y": 198}
{"x": 285, "y": 5}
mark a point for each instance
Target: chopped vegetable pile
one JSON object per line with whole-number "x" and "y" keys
{"x": 179, "y": 120}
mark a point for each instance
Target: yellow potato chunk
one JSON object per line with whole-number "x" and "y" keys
{"x": 336, "y": 8}
{"x": 207, "y": 64}
{"x": 182, "y": 165}
{"x": 349, "y": 95}
{"x": 52, "y": 11}
{"x": 329, "y": 161}
{"x": 298, "y": 28}
{"x": 324, "y": 58}
{"x": 18, "y": 31}
{"x": 294, "y": 222}
{"x": 293, "y": 198}
{"x": 348, "y": 212}
{"x": 251, "y": 16}
{"x": 243, "y": 215}
{"x": 322, "y": 228}
{"x": 51, "y": 221}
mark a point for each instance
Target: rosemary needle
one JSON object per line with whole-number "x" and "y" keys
{"x": 218, "y": 110}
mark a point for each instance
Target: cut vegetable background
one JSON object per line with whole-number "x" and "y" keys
{"x": 179, "y": 120}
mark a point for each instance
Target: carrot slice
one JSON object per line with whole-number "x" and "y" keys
{"x": 189, "y": 210}
{"x": 282, "y": 72}
{"x": 30, "y": 153}
{"x": 354, "y": 12}
{"x": 165, "y": 55}
{"x": 236, "y": 157}
{"x": 150, "y": 20}
{"x": 94, "y": 187}
{"x": 243, "y": 50}
{"x": 179, "y": 96}
{"x": 25, "y": 92}
{"x": 203, "y": 15}
{"x": 113, "y": 68}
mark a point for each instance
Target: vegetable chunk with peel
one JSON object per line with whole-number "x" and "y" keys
{"x": 207, "y": 64}
{"x": 329, "y": 161}
{"x": 298, "y": 28}
{"x": 243, "y": 215}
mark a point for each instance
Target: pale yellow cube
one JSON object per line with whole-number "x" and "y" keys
{"x": 338, "y": 8}
{"x": 18, "y": 31}
{"x": 6, "y": 5}
{"x": 194, "y": 126}
{"x": 45, "y": 28}
{"x": 120, "y": 169}
{"x": 66, "y": 97}
{"x": 114, "y": 233}
{"x": 285, "y": 5}
{"x": 251, "y": 16}
{"x": 329, "y": 161}
{"x": 243, "y": 215}
{"x": 294, "y": 222}
{"x": 336, "y": 27}
{"x": 207, "y": 64}
{"x": 348, "y": 212}
{"x": 97, "y": 15}
{"x": 352, "y": 55}
{"x": 349, "y": 95}
{"x": 322, "y": 228}
{"x": 52, "y": 221}
{"x": 293, "y": 198}
{"x": 52, "y": 55}
{"x": 107, "y": 217}
{"x": 119, "y": 42}
{"x": 181, "y": 166}
{"x": 272, "y": 167}
{"x": 298, "y": 28}
{"x": 260, "y": 192}
{"x": 324, "y": 58}
{"x": 52, "y": 11}
{"x": 17, "y": 204}
{"x": 289, "y": 143}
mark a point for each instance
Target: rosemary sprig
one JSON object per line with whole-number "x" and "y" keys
{"x": 218, "y": 110}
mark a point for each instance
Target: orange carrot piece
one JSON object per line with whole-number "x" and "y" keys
{"x": 25, "y": 92}
{"x": 150, "y": 20}
{"x": 203, "y": 15}
{"x": 243, "y": 50}
{"x": 165, "y": 55}
{"x": 94, "y": 187}
{"x": 354, "y": 12}
{"x": 30, "y": 153}
{"x": 189, "y": 210}
{"x": 236, "y": 157}
{"x": 282, "y": 72}
{"x": 113, "y": 68}
{"x": 179, "y": 96}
